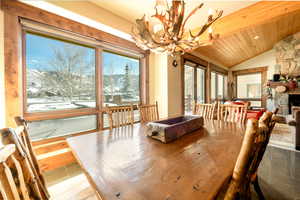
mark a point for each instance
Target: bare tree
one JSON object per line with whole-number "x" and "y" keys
{"x": 71, "y": 72}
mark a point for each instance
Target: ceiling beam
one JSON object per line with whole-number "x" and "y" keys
{"x": 271, "y": 20}
{"x": 253, "y": 15}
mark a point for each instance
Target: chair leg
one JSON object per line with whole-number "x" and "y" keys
{"x": 258, "y": 190}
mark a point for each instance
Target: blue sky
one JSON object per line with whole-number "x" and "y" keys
{"x": 39, "y": 52}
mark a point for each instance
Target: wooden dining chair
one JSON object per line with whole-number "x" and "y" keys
{"x": 205, "y": 110}
{"x": 232, "y": 113}
{"x": 19, "y": 178}
{"x": 254, "y": 144}
{"x": 149, "y": 112}
{"x": 22, "y": 135}
{"x": 119, "y": 116}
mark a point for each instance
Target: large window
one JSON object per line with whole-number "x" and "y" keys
{"x": 59, "y": 75}
{"x": 249, "y": 88}
{"x": 218, "y": 86}
{"x": 121, "y": 82}
{"x": 121, "y": 79}
{"x": 194, "y": 85}
{"x": 62, "y": 84}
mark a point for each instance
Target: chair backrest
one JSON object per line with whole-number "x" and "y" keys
{"x": 232, "y": 113}
{"x": 205, "y": 110}
{"x": 22, "y": 135}
{"x": 149, "y": 112}
{"x": 10, "y": 171}
{"x": 19, "y": 178}
{"x": 119, "y": 116}
{"x": 253, "y": 147}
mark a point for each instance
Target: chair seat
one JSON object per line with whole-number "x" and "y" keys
{"x": 254, "y": 114}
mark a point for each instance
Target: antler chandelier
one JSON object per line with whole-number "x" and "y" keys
{"x": 166, "y": 31}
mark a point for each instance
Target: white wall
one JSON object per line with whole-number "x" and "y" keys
{"x": 94, "y": 12}
{"x": 174, "y": 88}
{"x": 158, "y": 82}
{"x": 165, "y": 85}
{"x": 2, "y": 99}
{"x": 265, "y": 59}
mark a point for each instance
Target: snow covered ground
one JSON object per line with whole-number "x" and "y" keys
{"x": 60, "y": 127}
{"x": 40, "y": 105}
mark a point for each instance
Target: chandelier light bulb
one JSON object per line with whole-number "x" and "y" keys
{"x": 157, "y": 28}
{"x": 210, "y": 11}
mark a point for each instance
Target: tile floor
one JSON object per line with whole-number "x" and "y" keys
{"x": 283, "y": 136}
{"x": 279, "y": 177}
{"x": 279, "y": 174}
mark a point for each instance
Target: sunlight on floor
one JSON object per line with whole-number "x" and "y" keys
{"x": 62, "y": 183}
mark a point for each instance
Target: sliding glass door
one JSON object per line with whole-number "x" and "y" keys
{"x": 218, "y": 87}
{"x": 194, "y": 85}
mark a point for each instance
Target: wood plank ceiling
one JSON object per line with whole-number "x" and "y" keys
{"x": 270, "y": 21}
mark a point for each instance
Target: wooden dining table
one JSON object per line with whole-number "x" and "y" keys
{"x": 126, "y": 164}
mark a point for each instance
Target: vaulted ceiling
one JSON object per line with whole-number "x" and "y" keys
{"x": 253, "y": 30}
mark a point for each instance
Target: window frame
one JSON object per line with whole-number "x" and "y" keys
{"x": 257, "y": 70}
{"x": 55, "y": 114}
{"x": 141, "y": 88}
{"x": 98, "y": 110}
{"x": 216, "y": 84}
{"x": 195, "y": 67}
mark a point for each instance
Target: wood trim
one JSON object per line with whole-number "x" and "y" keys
{"x": 208, "y": 83}
{"x": 195, "y": 59}
{"x": 99, "y": 83}
{"x": 218, "y": 69}
{"x": 182, "y": 61}
{"x": 24, "y": 71}
{"x": 59, "y": 114}
{"x": 45, "y": 17}
{"x": 143, "y": 76}
{"x": 250, "y": 71}
{"x": 145, "y": 79}
{"x": 12, "y": 52}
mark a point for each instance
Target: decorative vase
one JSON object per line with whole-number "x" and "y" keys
{"x": 292, "y": 85}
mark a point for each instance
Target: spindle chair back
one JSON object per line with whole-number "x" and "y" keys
{"x": 205, "y": 110}
{"x": 255, "y": 141}
{"x": 22, "y": 135}
{"x": 149, "y": 112}
{"x": 232, "y": 113}
{"x": 19, "y": 178}
{"x": 120, "y": 116}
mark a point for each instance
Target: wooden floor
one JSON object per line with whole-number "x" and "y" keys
{"x": 69, "y": 183}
